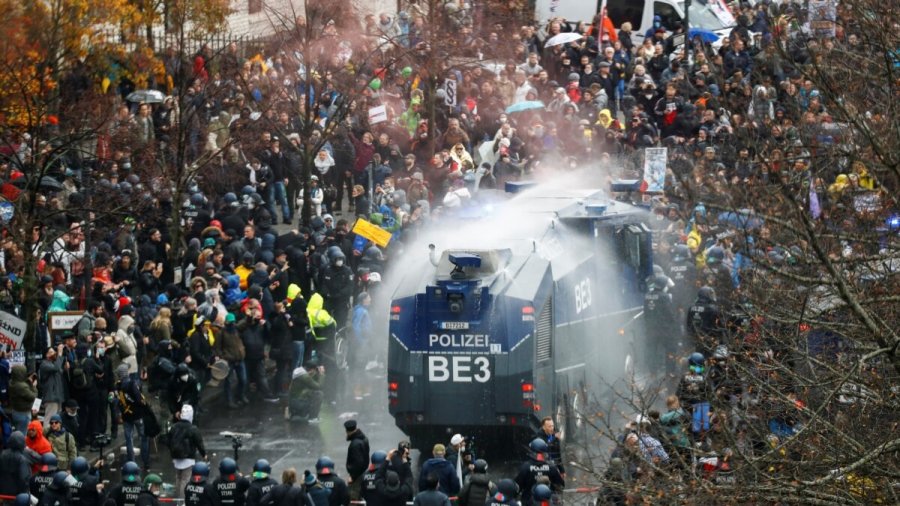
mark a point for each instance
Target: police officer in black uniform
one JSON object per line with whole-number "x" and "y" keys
{"x": 705, "y": 321}
{"x": 85, "y": 490}
{"x": 336, "y": 287}
{"x": 262, "y": 483}
{"x": 57, "y": 493}
{"x": 683, "y": 272}
{"x": 230, "y": 487}
{"x": 40, "y": 481}
{"x": 538, "y": 469}
{"x": 659, "y": 320}
{"x": 127, "y": 492}
{"x": 717, "y": 275}
{"x": 340, "y": 493}
{"x": 199, "y": 492}
{"x": 368, "y": 489}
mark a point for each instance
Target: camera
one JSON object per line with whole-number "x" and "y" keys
{"x": 99, "y": 441}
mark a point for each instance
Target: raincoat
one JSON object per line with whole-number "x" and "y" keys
{"x": 60, "y": 301}
{"x": 38, "y": 443}
{"x": 318, "y": 317}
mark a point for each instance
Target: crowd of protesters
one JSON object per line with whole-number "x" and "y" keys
{"x": 157, "y": 331}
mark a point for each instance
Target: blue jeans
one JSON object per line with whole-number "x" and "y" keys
{"x": 240, "y": 372}
{"x": 278, "y": 195}
{"x": 20, "y": 420}
{"x": 299, "y": 351}
{"x": 129, "y": 441}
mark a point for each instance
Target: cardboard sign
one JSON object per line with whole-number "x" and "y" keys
{"x": 377, "y": 115}
{"x": 374, "y": 233}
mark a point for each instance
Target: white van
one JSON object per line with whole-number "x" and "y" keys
{"x": 712, "y": 15}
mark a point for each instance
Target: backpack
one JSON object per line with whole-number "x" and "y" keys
{"x": 78, "y": 378}
{"x": 131, "y": 409}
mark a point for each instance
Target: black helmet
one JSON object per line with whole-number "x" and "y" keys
{"x": 79, "y": 466}
{"x": 373, "y": 253}
{"x": 481, "y": 466}
{"x": 131, "y": 472}
{"x": 659, "y": 282}
{"x": 658, "y": 270}
{"x": 696, "y": 358}
{"x": 262, "y": 466}
{"x": 199, "y": 472}
{"x": 125, "y": 187}
{"x": 247, "y": 190}
{"x": 133, "y": 179}
{"x": 707, "y": 294}
{"x": 230, "y": 198}
{"x": 49, "y": 462}
{"x": 59, "y": 481}
{"x": 198, "y": 199}
{"x": 182, "y": 369}
{"x": 256, "y": 198}
{"x": 508, "y": 488}
{"x": 227, "y": 466}
{"x": 378, "y": 457}
{"x": 538, "y": 445}
{"x": 22, "y": 499}
{"x": 715, "y": 255}
{"x": 681, "y": 252}
{"x": 324, "y": 463}
{"x": 541, "y": 492}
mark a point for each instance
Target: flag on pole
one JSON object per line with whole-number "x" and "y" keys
{"x": 815, "y": 209}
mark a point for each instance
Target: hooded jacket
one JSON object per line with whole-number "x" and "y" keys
{"x": 318, "y": 316}
{"x": 21, "y": 392}
{"x": 446, "y": 473}
{"x": 126, "y": 345}
{"x": 60, "y": 301}
{"x": 38, "y": 444}
{"x": 14, "y": 466}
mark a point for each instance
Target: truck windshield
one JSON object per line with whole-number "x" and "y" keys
{"x": 709, "y": 15}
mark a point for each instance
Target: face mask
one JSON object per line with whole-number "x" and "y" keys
{"x": 184, "y": 377}
{"x": 251, "y": 205}
{"x": 538, "y": 132}
{"x": 648, "y": 95}
{"x": 339, "y": 263}
{"x": 155, "y": 492}
{"x": 101, "y": 352}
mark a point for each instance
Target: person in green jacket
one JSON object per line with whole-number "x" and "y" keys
{"x": 305, "y": 395}
{"x": 22, "y": 392}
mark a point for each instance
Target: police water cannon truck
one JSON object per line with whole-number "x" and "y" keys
{"x": 486, "y": 341}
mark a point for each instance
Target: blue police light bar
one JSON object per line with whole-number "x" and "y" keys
{"x": 465, "y": 260}
{"x": 518, "y": 186}
{"x": 625, "y": 185}
{"x": 595, "y": 209}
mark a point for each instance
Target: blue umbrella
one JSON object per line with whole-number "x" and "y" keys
{"x": 525, "y": 106}
{"x": 743, "y": 219}
{"x": 705, "y": 35}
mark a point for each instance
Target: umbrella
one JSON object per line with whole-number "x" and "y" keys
{"x": 563, "y": 38}
{"x": 705, "y": 35}
{"x": 47, "y": 183}
{"x": 743, "y": 219}
{"x": 146, "y": 97}
{"x": 527, "y": 105}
